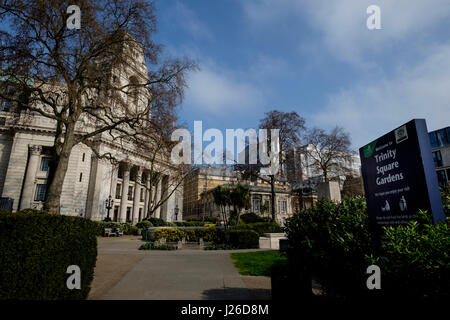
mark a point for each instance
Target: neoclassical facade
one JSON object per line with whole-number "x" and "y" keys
{"x": 25, "y": 158}
{"x": 199, "y": 199}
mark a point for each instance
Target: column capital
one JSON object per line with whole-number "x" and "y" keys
{"x": 35, "y": 149}
{"x": 126, "y": 165}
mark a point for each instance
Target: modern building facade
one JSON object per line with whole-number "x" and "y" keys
{"x": 25, "y": 158}
{"x": 300, "y": 166}
{"x": 440, "y": 146}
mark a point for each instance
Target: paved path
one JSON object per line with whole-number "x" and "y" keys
{"x": 123, "y": 272}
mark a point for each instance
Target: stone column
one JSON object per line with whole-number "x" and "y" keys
{"x": 147, "y": 196}
{"x": 28, "y": 186}
{"x": 137, "y": 195}
{"x": 124, "y": 199}
{"x": 112, "y": 190}
{"x": 158, "y": 198}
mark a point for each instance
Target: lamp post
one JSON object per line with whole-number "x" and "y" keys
{"x": 109, "y": 205}
{"x": 176, "y": 212}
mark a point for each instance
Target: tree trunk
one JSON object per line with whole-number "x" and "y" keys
{"x": 53, "y": 201}
{"x": 272, "y": 200}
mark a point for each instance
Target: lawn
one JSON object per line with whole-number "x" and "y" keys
{"x": 256, "y": 263}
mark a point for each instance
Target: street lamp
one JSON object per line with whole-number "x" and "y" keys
{"x": 109, "y": 205}
{"x": 176, "y": 212}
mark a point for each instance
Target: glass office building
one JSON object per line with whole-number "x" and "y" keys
{"x": 440, "y": 146}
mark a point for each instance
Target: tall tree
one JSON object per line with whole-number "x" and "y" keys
{"x": 291, "y": 127}
{"x": 223, "y": 200}
{"x": 73, "y": 76}
{"x": 329, "y": 152}
{"x": 240, "y": 196}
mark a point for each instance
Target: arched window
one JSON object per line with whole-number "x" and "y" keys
{"x": 134, "y": 89}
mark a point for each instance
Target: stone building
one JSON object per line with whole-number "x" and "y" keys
{"x": 440, "y": 147}
{"x": 25, "y": 158}
{"x": 199, "y": 200}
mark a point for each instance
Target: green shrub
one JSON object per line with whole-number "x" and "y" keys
{"x": 259, "y": 227}
{"x": 208, "y": 234}
{"x": 171, "y": 234}
{"x": 416, "y": 260}
{"x": 35, "y": 250}
{"x": 157, "y": 222}
{"x": 192, "y": 235}
{"x": 252, "y": 218}
{"x": 445, "y": 194}
{"x": 145, "y": 224}
{"x": 33, "y": 211}
{"x": 153, "y": 246}
{"x": 242, "y": 239}
{"x": 190, "y": 223}
{"x": 331, "y": 241}
{"x": 213, "y": 219}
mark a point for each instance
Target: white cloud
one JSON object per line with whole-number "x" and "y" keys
{"x": 341, "y": 25}
{"x": 218, "y": 92}
{"x": 189, "y": 20}
{"x": 368, "y": 111}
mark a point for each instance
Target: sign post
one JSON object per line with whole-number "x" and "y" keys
{"x": 400, "y": 178}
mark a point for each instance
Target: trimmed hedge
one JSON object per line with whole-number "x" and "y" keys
{"x": 35, "y": 250}
{"x": 253, "y": 218}
{"x": 209, "y": 219}
{"x": 242, "y": 239}
{"x": 145, "y": 224}
{"x": 191, "y": 223}
{"x": 158, "y": 222}
{"x": 259, "y": 227}
{"x": 193, "y": 235}
{"x": 153, "y": 246}
{"x": 171, "y": 234}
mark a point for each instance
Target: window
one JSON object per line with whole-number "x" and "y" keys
{"x": 45, "y": 164}
{"x": 6, "y": 106}
{"x": 437, "y": 157}
{"x": 130, "y": 193}
{"x": 40, "y": 192}
{"x": 81, "y": 176}
{"x": 118, "y": 187}
{"x": 142, "y": 195}
{"x": 204, "y": 186}
{"x": 282, "y": 206}
{"x": 256, "y": 204}
{"x": 82, "y": 158}
{"x": 2, "y": 121}
{"x": 442, "y": 179}
{"x": 128, "y": 214}
{"x": 440, "y": 138}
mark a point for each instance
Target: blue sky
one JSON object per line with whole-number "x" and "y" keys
{"x": 315, "y": 57}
